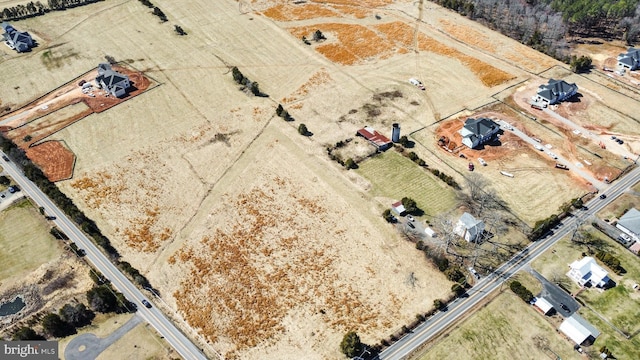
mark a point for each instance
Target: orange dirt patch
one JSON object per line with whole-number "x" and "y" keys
{"x": 55, "y": 160}
{"x": 319, "y": 78}
{"x": 284, "y": 12}
{"x": 355, "y": 42}
{"x": 489, "y": 75}
{"x": 468, "y": 35}
{"x": 355, "y": 11}
{"x": 359, "y": 3}
{"x": 397, "y": 31}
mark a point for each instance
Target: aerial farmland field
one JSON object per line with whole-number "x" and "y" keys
{"x": 255, "y": 239}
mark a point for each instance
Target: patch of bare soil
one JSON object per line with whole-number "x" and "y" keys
{"x": 54, "y": 159}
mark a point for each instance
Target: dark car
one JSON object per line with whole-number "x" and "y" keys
{"x": 411, "y": 225}
{"x": 603, "y": 196}
{"x": 564, "y": 307}
{"x": 14, "y": 188}
{"x": 146, "y": 304}
{"x": 5, "y": 158}
{"x": 620, "y": 141}
{"x": 50, "y": 217}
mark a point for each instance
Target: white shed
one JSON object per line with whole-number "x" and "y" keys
{"x": 429, "y": 231}
{"x": 544, "y": 305}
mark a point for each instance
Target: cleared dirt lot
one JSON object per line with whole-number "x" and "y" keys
{"x": 210, "y": 195}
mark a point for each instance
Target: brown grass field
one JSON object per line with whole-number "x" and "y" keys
{"x": 209, "y": 194}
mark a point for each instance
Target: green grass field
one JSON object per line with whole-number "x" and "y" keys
{"x": 507, "y": 328}
{"x": 25, "y": 242}
{"x": 394, "y": 176}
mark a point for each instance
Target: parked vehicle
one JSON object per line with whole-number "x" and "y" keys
{"x": 410, "y": 218}
{"x": 482, "y": 162}
{"x": 410, "y": 224}
{"x": 620, "y": 141}
{"x": 417, "y": 83}
{"x": 562, "y": 166}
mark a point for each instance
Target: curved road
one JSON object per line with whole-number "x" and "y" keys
{"x": 461, "y": 306}
{"x": 153, "y": 316}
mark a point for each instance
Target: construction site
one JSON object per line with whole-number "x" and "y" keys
{"x": 32, "y": 125}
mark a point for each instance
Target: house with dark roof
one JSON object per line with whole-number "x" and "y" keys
{"x": 476, "y": 132}
{"x": 630, "y": 60}
{"x": 629, "y": 223}
{"x": 555, "y": 91}
{"x": 469, "y": 228}
{"x": 112, "y": 81}
{"x": 378, "y": 140}
{"x": 17, "y": 40}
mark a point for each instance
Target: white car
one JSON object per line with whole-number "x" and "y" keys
{"x": 538, "y": 147}
{"x": 410, "y": 218}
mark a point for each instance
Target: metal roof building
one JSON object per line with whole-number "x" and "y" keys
{"x": 578, "y": 329}
{"x": 378, "y": 140}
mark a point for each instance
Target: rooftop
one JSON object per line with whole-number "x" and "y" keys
{"x": 631, "y": 221}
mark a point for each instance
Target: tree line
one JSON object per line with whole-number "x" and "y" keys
{"x": 31, "y": 9}
{"x": 545, "y": 25}
{"x": 35, "y": 174}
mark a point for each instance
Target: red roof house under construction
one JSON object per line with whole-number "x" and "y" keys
{"x": 375, "y": 138}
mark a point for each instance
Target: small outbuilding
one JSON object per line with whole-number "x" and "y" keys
{"x": 398, "y": 209}
{"x": 635, "y": 247}
{"x": 476, "y": 132}
{"x": 630, "y": 60}
{"x": 543, "y": 305}
{"x": 469, "y": 228}
{"x": 112, "y": 81}
{"x": 576, "y": 328}
{"x": 18, "y": 40}
{"x": 555, "y": 92}
{"x": 378, "y": 140}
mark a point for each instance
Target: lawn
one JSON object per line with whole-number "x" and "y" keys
{"x": 394, "y": 176}
{"x": 617, "y": 208}
{"x": 25, "y": 242}
{"x": 620, "y": 306}
{"x": 636, "y": 187}
{"x": 507, "y": 328}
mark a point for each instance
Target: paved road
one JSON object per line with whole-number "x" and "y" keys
{"x": 89, "y": 346}
{"x": 555, "y": 295}
{"x": 153, "y": 316}
{"x": 441, "y": 320}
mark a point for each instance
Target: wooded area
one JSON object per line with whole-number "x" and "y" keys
{"x": 549, "y": 25}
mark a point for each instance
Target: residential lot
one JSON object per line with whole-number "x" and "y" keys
{"x": 507, "y": 328}
{"x": 611, "y": 310}
{"x": 141, "y": 342}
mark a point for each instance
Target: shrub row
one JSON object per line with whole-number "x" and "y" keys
{"x": 415, "y": 158}
{"x": 611, "y": 261}
{"x": 521, "y": 291}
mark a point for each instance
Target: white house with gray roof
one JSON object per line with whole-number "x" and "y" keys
{"x": 555, "y": 91}
{"x": 469, "y": 228}
{"x": 579, "y": 330}
{"x": 629, "y": 223}
{"x": 630, "y": 60}
{"x": 476, "y": 132}
{"x": 17, "y": 40}
{"x": 112, "y": 81}
{"x": 586, "y": 271}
